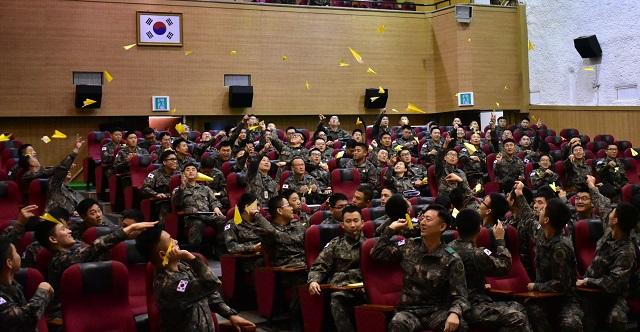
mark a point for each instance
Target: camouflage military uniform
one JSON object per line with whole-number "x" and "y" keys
{"x": 337, "y": 134}
{"x": 59, "y": 194}
{"x": 555, "y": 272}
{"x": 429, "y": 145}
{"x": 445, "y": 187}
{"x": 294, "y": 183}
{"x": 108, "y": 155}
{"x": 263, "y": 186}
{"x": 433, "y": 283}
{"x": 540, "y": 178}
{"x": 367, "y": 172}
{"x": 16, "y": 313}
{"x": 508, "y": 171}
{"x": 121, "y": 163}
{"x": 339, "y": 264}
{"x": 386, "y": 221}
{"x": 410, "y": 144}
{"x": 284, "y": 244}
{"x": 479, "y": 263}
{"x": 601, "y": 208}
{"x": 473, "y": 169}
{"x": 330, "y": 220}
{"x": 157, "y": 182}
{"x": 240, "y": 238}
{"x": 79, "y": 253}
{"x": 184, "y": 297}
{"x": 286, "y": 153}
{"x": 526, "y": 223}
{"x": 321, "y": 176}
{"x": 192, "y": 200}
{"x": 576, "y": 172}
{"x": 218, "y": 185}
{"x": 183, "y": 160}
{"x": 378, "y": 130}
{"x": 30, "y": 175}
{"x": 78, "y": 228}
{"x": 612, "y": 175}
{"x": 417, "y": 171}
{"x": 400, "y": 183}
{"x": 327, "y": 154}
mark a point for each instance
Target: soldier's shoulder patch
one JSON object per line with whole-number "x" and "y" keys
{"x": 401, "y": 242}
{"x": 559, "y": 255}
{"x": 285, "y": 186}
{"x": 463, "y": 150}
{"x": 326, "y": 245}
{"x": 495, "y": 161}
{"x": 450, "y": 250}
{"x": 182, "y": 286}
{"x": 227, "y": 227}
{"x": 150, "y": 176}
{"x": 104, "y": 148}
{"x": 487, "y": 252}
{"x": 532, "y": 174}
{"x": 2, "y": 300}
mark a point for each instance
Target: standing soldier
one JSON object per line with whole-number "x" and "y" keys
{"x": 108, "y": 153}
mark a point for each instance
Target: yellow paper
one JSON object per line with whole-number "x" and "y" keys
{"x": 507, "y": 87}
{"x": 413, "y": 108}
{"x": 108, "y": 76}
{"x": 165, "y": 259}
{"x": 395, "y": 110}
{"x": 478, "y": 188}
{"x": 237, "y": 218}
{"x": 468, "y": 40}
{"x": 45, "y": 139}
{"x": 4, "y": 138}
{"x": 128, "y": 47}
{"x": 57, "y": 134}
{"x": 470, "y": 147}
{"x": 370, "y": 71}
{"x": 407, "y": 217}
{"x": 425, "y": 180}
{"x": 356, "y": 55}
{"x": 358, "y": 121}
{"x": 307, "y": 86}
{"x": 203, "y": 178}
{"x": 180, "y": 128}
{"x": 634, "y": 153}
{"x": 397, "y": 148}
{"x": 553, "y": 187}
{"x": 339, "y": 154}
{"x": 497, "y": 104}
{"x": 252, "y": 128}
{"x": 188, "y": 52}
{"x": 530, "y": 46}
{"x": 455, "y": 212}
{"x": 341, "y": 63}
{"x": 173, "y": 110}
{"x": 285, "y": 58}
{"x": 533, "y": 118}
{"x": 374, "y": 99}
{"x": 381, "y": 90}
{"x": 356, "y": 284}
{"x": 88, "y": 102}
{"x": 381, "y": 28}
{"x": 233, "y": 52}
{"x": 50, "y": 218}
{"x": 588, "y": 68}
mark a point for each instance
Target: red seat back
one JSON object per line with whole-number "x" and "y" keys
{"x": 369, "y": 228}
{"x": 94, "y": 143}
{"x": 587, "y": 234}
{"x": 318, "y": 216}
{"x": 127, "y": 254}
{"x": 517, "y": 279}
{"x": 382, "y": 281}
{"x": 236, "y": 184}
{"x": 569, "y": 133}
{"x": 372, "y": 213}
{"x": 433, "y": 181}
{"x": 345, "y": 181}
{"x": 10, "y": 200}
{"x": 95, "y": 297}
{"x": 227, "y": 167}
{"x": 139, "y": 165}
{"x": 29, "y": 279}
{"x": 608, "y": 139}
{"x": 316, "y": 238}
{"x": 38, "y": 189}
{"x": 92, "y": 233}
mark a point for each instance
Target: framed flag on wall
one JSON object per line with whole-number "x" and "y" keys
{"x": 159, "y": 29}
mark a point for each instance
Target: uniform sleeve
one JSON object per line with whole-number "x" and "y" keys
{"x": 323, "y": 265}
{"x": 211, "y": 285}
{"x": 148, "y": 187}
{"x": 60, "y": 171}
{"x": 561, "y": 273}
{"x": 600, "y": 203}
{"x": 387, "y": 250}
{"x": 231, "y": 240}
{"x": 27, "y": 315}
{"x": 14, "y": 233}
{"x": 213, "y": 201}
{"x": 106, "y": 155}
{"x": 178, "y": 200}
{"x": 458, "y": 288}
{"x": 617, "y": 278}
{"x": 121, "y": 164}
{"x": 496, "y": 263}
{"x": 97, "y": 248}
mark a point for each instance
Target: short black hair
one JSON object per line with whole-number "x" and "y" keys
{"x": 286, "y": 193}
{"x": 44, "y": 229}
{"x": 177, "y": 142}
{"x": 296, "y": 157}
{"x": 385, "y": 134}
{"x": 396, "y": 207}
{"x": 356, "y": 131}
{"x": 148, "y": 131}
{"x": 443, "y": 213}
{"x": 314, "y": 149}
{"x": 457, "y": 196}
{"x": 558, "y": 213}
{"x": 163, "y": 134}
{"x": 525, "y": 118}
{"x": 508, "y": 140}
{"x": 60, "y": 213}
{"x": 224, "y": 143}
{"x": 545, "y": 192}
{"x": 582, "y": 187}
{"x": 290, "y": 127}
{"x": 502, "y": 118}
{"x": 335, "y": 198}
{"x": 189, "y": 164}
{"x": 245, "y": 200}
{"x": 5, "y": 251}
{"x": 391, "y": 188}
{"x": 367, "y": 191}
{"x": 351, "y": 209}
{"x": 22, "y": 148}
{"x": 130, "y": 132}
{"x": 116, "y": 129}
{"x": 165, "y": 154}
{"x": 433, "y": 128}
{"x": 274, "y": 204}
{"x": 499, "y": 205}
{"x": 405, "y": 127}
{"x": 148, "y": 240}
{"x": 627, "y": 215}
{"x": 362, "y": 145}
{"x": 469, "y": 222}
{"x": 134, "y": 214}
{"x": 209, "y": 162}
{"x": 351, "y": 144}
{"x": 23, "y": 161}
{"x": 84, "y": 206}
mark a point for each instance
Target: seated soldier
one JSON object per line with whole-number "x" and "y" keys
{"x": 287, "y": 152}
{"x": 479, "y": 263}
{"x": 121, "y": 162}
{"x": 208, "y": 143}
{"x": 54, "y": 235}
{"x": 16, "y": 313}
{"x": 381, "y": 125}
{"x": 295, "y": 202}
{"x": 576, "y": 168}
{"x": 493, "y": 208}
{"x": 357, "y": 135}
{"x": 524, "y": 219}
{"x": 432, "y": 146}
{"x": 508, "y": 167}
{"x": 611, "y": 172}
{"x": 543, "y": 175}
{"x": 156, "y": 185}
{"x": 334, "y": 132}
{"x": 326, "y": 152}
{"x": 219, "y": 183}
{"x": 337, "y": 202}
{"x": 610, "y": 272}
{"x": 447, "y": 172}
{"x": 590, "y": 203}
{"x": 417, "y": 172}
{"x": 406, "y": 141}
{"x": 555, "y": 272}
{"x": 239, "y": 235}
{"x": 362, "y": 196}
{"x": 59, "y": 193}
{"x": 149, "y": 135}
{"x": 385, "y": 143}
{"x": 131, "y": 216}
{"x": 434, "y": 290}
{"x": 186, "y": 290}
{"x": 474, "y": 161}
{"x": 181, "y": 147}
{"x": 339, "y": 265}
{"x": 91, "y": 213}
{"x": 459, "y": 136}
{"x": 15, "y": 232}
{"x": 108, "y": 154}
{"x": 399, "y": 177}
{"x": 320, "y": 171}
{"x": 258, "y": 180}
{"x": 396, "y": 208}
{"x": 304, "y": 184}
{"x": 365, "y": 167}
{"x": 200, "y": 206}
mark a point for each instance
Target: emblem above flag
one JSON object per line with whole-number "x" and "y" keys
{"x": 163, "y": 29}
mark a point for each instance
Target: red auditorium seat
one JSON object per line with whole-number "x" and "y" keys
{"x": 421, "y": 200}
{"x": 631, "y": 170}
{"x": 369, "y": 228}
{"x": 344, "y": 181}
{"x": 517, "y": 279}
{"x": 127, "y": 254}
{"x": 623, "y": 145}
{"x": 95, "y": 297}
{"x": 587, "y": 234}
{"x": 569, "y": 133}
{"x": 227, "y": 167}
{"x": 332, "y": 164}
{"x": 140, "y": 166}
{"x": 38, "y": 189}
{"x": 559, "y": 169}
{"x": 93, "y": 233}
{"x": 433, "y": 181}
{"x": 29, "y": 279}
{"x": 236, "y": 184}
{"x": 604, "y": 138}
{"x": 266, "y": 280}
{"x": 94, "y": 148}
{"x": 318, "y": 216}
{"x": 596, "y": 146}
{"x": 491, "y": 158}
{"x": 313, "y": 306}
{"x": 383, "y": 285}
{"x": 450, "y": 235}
{"x": 10, "y": 200}
{"x": 43, "y": 259}
{"x": 372, "y": 213}
{"x": 627, "y": 191}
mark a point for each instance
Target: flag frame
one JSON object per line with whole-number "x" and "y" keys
{"x": 140, "y": 42}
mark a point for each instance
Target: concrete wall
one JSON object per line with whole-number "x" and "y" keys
{"x": 557, "y": 72}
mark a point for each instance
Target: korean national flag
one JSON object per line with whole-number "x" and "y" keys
{"x": 160, "y": 29}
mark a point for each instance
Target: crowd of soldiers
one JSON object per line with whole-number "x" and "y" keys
{"x": 444, "y": 286}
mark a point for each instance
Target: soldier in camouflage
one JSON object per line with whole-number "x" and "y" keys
{"x": 339, "y": 265}
{"x": 447, "y": 172}
{"x": 337, "y": 202}
{"x": 381, "y": 125}
{"x": 481, "y": 262}
{"x": 121, "y": 162}
{"x": 181, "y": 147}
{"x": 242, "y": 237}
{"x": 434, "y": 292}
{"x": 319, "y": 170}
{"x": 334, "y": 132}
{"x": 366, "y": 168}
{"x": 576, "y": 168}
{"x": 543, "y": 175}
{"x": 524, "y": 220}
{"x": 406, "y": 141}
{"x": 474, "y": 163}
{"x": 417, "y": 172}
{"x": 610, "y": 272}
{"x": 156, "y": 185}
{"x": 555, "y": 273}
{"x": 259, "y": 182}
{"x": 508, "y": 167}
{"x": 59, "y": 194}
{"x": 287, "y": 152}
{"x": 611, "y": 172}
{"x": 385, "y": 143}
{"x": 108, "y": 153}
{"x": 219, "y": 182}
{"x": 304, "y": 184}
{"x": 590, "y": 203}
{"x": 431, "y": 147}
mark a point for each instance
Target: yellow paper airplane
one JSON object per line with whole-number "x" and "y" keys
{"x": 188, "y": 52}
{"x": 203, "y": 178}
{"x": 634, "y": 153}
{"x": 45, "y": 139}
{"x": 553, "y": 187}
{"x": 233, "y": 52}
{"x": 165, "y": 259}
{"x": 108, "y": 76}
{"x": 180, "y": 128}
{"x": 50, "y": 218}
{"x": 455, "y": 212}
{"x": 57, "y": 134}
{"x": 530, "y": 46}
{"x": 425, "y": 180}
{"x": 497, "y": 104}
{"x": 339, "y": 154}
{"x": 341, "y": 63}
{"x": 371, "y": 71}
{"x": 478, "y": 188}
{"x": 413, "y": 108}
{"x": 381, "y": 28}
{"x": 173, "y": 110}
{"x": 237, "y": 218}
{"x": 470, "y": 147}
{"x": 381, "y": 90}
{"x": 4, "y": 138}
{"x": 356, "y": 55}
{"x": 407, "y": 217}
{"x": 285, "y": 58}
{"x": 468, "y": 40}
{"x": 507, "y": 87}
{"x": 128, "y": 47}
{"x": 88, "y": 102}
{"x": 588, "y": 68}
{"x": 374, "y": 99}
{"x": 307, "y": 86}
{"x": 533, "y": 118}
{"x": 252, "y": 128}
{"x": 398, "y": 148}
{"x": 395, "y": 110}
{"x": 358, "y": 121}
